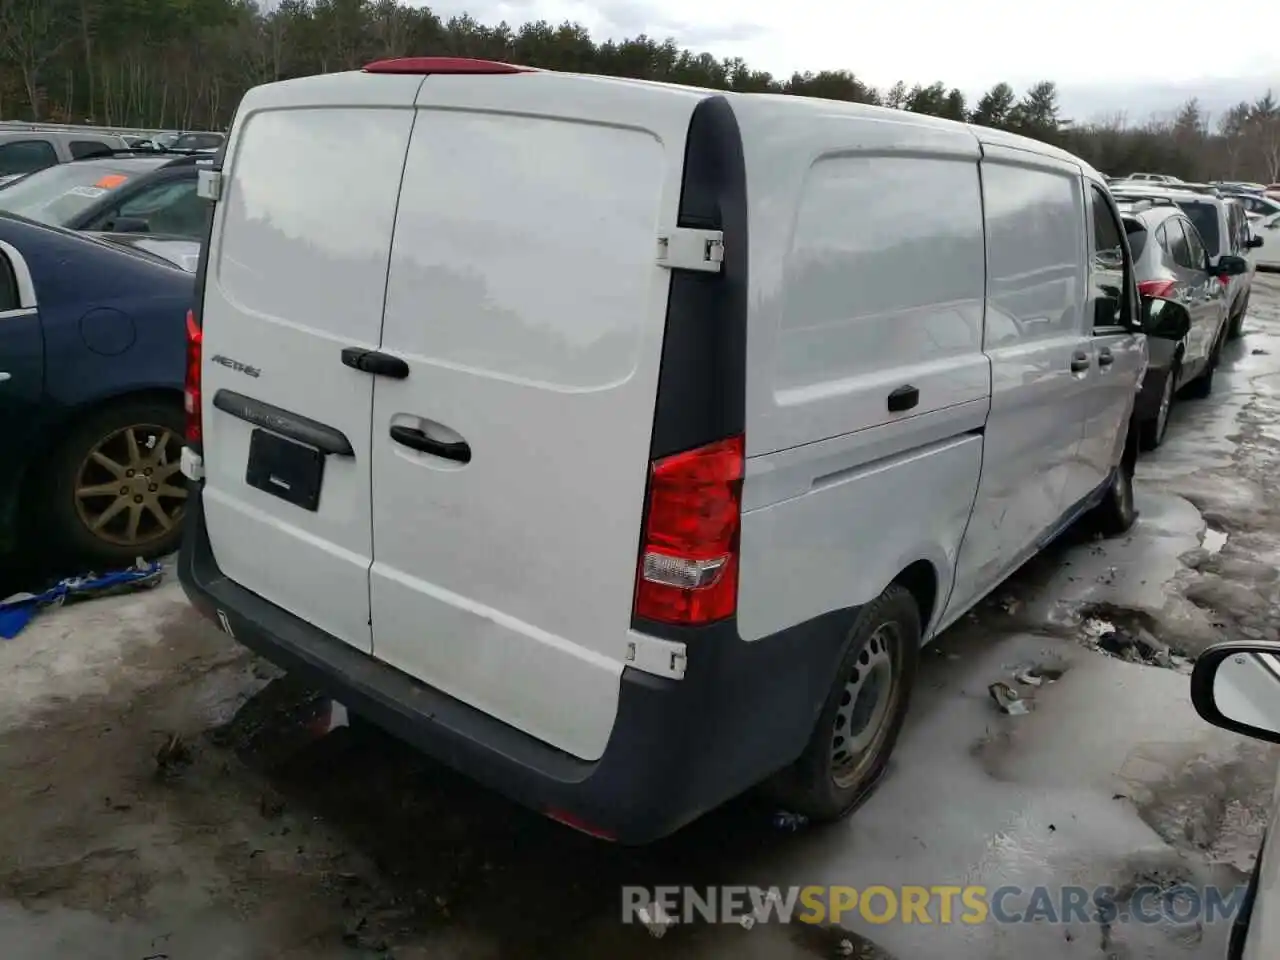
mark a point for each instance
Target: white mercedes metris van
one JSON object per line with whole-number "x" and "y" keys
{"x": 620, "y": 444}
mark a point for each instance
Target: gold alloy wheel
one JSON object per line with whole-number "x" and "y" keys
{"x": 128, "y": 490}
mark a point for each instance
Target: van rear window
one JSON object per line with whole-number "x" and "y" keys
{"x": 524, "y": 269}
{"x": 309, "y": 215}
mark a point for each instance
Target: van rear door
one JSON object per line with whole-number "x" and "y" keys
{"x": 509, "y": 466}
{"x": 297, "y": 273}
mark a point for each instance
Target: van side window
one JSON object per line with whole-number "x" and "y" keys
{"x": 1035, "y": 238}
{"x": 8, "y": 287}
{"x": 1108, "y": 270}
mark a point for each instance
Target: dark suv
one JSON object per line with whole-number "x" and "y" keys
{"x": 1223, "y": 226}
{"x": 1172, "y": 263}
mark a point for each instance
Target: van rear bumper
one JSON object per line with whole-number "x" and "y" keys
{"x": 678, "y": 748}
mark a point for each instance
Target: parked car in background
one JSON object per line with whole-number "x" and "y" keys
{"x": 1154, "y": 177}
{"x": 126, "y": 193}
{"x": 26, "y": 151}
{"x": 1236, "y": 686}
{"x": 1257, "y": 205}
{"x": 1266, "y": 254}
{"x": 198, "y": 141}
{"x": 92, "y": 340}
{"x": 1172, "y": 266}
{"x": 181, "y": 252}
{"x": 1223, "y": 226}
{"x": 1239, "y": 186}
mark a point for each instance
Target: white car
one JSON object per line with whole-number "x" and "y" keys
{"x": 619, "y": 443}
{"x": 1266, "y": 256}
{"x": 1236, "y": 686}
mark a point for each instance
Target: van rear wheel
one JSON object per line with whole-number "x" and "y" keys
{"x": 860, "y": 721}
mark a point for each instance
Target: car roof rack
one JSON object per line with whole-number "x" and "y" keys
{"x": 171, "y": 152}
{"x": 1132, "y": 205}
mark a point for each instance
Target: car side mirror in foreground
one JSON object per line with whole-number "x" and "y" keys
{"x": 1230, "y": 265}
{"x": 1236, "y": 686}
{"x": 1165, "y": 319}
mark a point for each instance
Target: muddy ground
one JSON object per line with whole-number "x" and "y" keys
{"x": 168, "y": 796}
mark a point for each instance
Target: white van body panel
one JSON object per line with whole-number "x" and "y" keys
{"x": 867, "y": 275}
{"x": 1035, "y": 325}
{"x": 849, "y": 276}
{"x": 1120, "y": 355}
{"x": 526, "y": 297}
{"x": 297, "y": 271}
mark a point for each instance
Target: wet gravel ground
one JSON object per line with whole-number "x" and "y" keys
{"x": 168, "y": 796}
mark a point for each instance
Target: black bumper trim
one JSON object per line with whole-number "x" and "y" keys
{"x": 678, "y": 748}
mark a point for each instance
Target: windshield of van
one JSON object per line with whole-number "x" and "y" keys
{"x": 56, "y": 195}
{"x": 1203, "y": 215}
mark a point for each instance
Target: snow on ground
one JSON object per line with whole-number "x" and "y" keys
{"x": 166, "y": 794}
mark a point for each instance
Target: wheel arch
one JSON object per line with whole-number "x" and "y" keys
{"x": 921, "y": 580}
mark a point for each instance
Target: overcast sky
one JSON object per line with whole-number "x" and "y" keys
{"x": 970, "y": 45}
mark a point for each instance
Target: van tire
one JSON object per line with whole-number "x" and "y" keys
{"x": 887, "y": 636}
{"x": 1117, "y": 512}
{"x": 67, "y": 515}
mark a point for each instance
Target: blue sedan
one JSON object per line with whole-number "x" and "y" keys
{"x": 92, "y": 349}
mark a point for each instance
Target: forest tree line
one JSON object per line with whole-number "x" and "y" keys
{"x": 184, "y": 64}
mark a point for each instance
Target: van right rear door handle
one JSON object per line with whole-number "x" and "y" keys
{"x": 416, "y": 439}
{"x": 1079, "y": 362}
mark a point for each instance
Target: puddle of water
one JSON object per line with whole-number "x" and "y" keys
{"x": 1213, "y": 540}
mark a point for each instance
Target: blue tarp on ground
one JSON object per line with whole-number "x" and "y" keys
{"x": 20, "y": 609}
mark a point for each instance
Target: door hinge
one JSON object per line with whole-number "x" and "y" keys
{"x": 665, "y": 658}
{"x": 209, "y": 184}
{"x": 685, "y": 248}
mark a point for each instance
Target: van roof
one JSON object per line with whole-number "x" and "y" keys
{"x": 760, "y": 103}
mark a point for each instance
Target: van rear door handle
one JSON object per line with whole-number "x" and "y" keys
{"x": 1105, "y": 357}
{"x": 3, "y": 377}
{"x": 416, "y": 439}
{"x": 1079, "y": 362}
{"x": 376, "y": 362}
{"x": 904, "y": 398}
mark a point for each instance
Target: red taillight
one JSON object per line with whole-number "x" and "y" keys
{"x": 191, "y": 385}
{"x": 1226, "y": 281}
{"x": 688, "y": 571}
{"x": 1156, "y": 288}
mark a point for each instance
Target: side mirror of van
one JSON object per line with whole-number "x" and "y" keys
{"x": 1230, "y": 265}
{"x": 1165, "y": 319}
